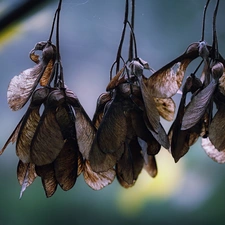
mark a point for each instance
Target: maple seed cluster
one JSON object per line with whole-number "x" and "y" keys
{"x": 57, "y": 141}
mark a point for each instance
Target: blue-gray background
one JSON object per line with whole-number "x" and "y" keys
{"x": 189, "y": 192}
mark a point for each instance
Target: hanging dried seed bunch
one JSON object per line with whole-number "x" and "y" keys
{"x": 52, "y": 143}
{"x": 196, "y": 118}
{"x": 127, "y": 118}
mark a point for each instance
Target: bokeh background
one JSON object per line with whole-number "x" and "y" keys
{"x": 191, "y": 191}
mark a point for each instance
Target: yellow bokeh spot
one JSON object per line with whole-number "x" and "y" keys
{"x": 9, "y": 34}
{"x": 130, "y": 201}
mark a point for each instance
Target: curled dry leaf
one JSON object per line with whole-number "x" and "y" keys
{"x": 165, "y": 82}
{"x": 116, "y": 80}
{"x": 21, "y": 87}
{"x": 212, "y": 152}
{"x": 26, "y": 175}
{"x": 197, "y": 107}
{"x": 98, "y": 180}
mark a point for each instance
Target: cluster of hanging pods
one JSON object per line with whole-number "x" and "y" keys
{"x": 57, "y": 141}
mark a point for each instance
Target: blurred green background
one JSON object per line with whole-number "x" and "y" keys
{"x": 188, "y": 192}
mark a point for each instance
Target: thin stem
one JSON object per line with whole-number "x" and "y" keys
{"x": 131, "y": 51}
{"x": 215, "y": 41}
{"x": 133, "y": 43}
{"x": 53, "y": 25}
{"x": 196, "y": 70}
{"x": 203, "y": 20}
{"x": 122, "y": 38}
{"x": 57, "y": 31}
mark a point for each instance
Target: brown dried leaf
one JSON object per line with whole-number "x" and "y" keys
{"x": 26, "y": 175}
{"x": 150, "y": 106}
{"x": 48, "y": 179}
{"x": 112, "y": 131}
{"x": 217, "y": 129}
{"x": 29, "y": 125}
{"x": 80, "y": 164}
{"x": 48, "y": 139}
{"x": 66, "y": 165}
{"x": 103, "y": 99}
{"x": 26, "y": 133}
{"x": 100, "y": 161}
{"x": 99, "y": 180}
{"x": 130, "y": 164}
{"x": 166, "y": 108}
{"x": 160, "y": 136}
{"x": 13, "y": 137}
{"x": 85, "y": 131}
{"x": 212, "y": 152}
{"x": 151, "y": 166}
{"x": 45, "y": 79}
{"x": 222, "y": 83}
{"x": 149, "y": 160}
{"x": 143, "y": 133}
{"x": 116, "y": 80}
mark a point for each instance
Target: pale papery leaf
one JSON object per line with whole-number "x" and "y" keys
{"x": 98, "y": 180}
{"x": 165, "y": 82}
{"x": 21, "y": 87}
{"x": 212, "y": 152}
